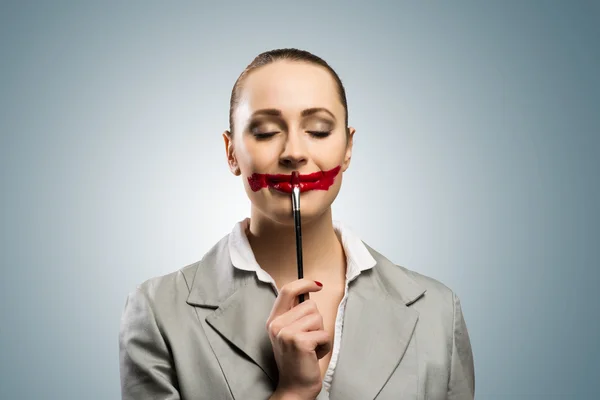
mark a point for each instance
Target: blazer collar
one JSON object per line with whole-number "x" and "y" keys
{"x": 377, "y": 312}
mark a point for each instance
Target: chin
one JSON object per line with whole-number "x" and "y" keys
{"x": 287, "y": 219}
{"x": 312, "y": 206}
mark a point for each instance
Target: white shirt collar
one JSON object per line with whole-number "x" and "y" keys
{"x": 358, "y": 258}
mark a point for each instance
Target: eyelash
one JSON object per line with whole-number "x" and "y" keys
{"x": 263, "y": 136}
{"x": 319, "y": 134}
{"x": 316, "y": 134}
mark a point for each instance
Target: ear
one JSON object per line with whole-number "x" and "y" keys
{"x": 349, "y": 143}
{"x": 230, "y": 153}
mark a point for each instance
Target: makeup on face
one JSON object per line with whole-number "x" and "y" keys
{"x": 265, "y": 126}
{"x": 321, "y": 180}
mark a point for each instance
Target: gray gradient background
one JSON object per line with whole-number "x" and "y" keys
{"x": 484, "y": 119}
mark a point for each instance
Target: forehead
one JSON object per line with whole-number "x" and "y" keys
{"x": 290, "y": 86}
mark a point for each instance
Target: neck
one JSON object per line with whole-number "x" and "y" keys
{"x": 274, "y": 247}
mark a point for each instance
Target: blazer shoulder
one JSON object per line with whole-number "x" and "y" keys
{"x": 158, "y": 286}
{"x": 163, "y": 293}
{"x": 437, "y": 296}
{"x": 431, "y": 284}
{"x": 176, "y": 285}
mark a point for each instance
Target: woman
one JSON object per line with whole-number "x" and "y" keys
{"x": 231, "y": 325}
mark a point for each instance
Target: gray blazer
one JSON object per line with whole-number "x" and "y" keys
{"x": 200, "y": 333}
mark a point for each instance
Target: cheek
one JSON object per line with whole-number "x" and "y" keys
{"x": 252, "y": 157}
{"x": 331, "y": 154}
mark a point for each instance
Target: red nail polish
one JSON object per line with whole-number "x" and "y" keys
{"x": 319, "y": 283}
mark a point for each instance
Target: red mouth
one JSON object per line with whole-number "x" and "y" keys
{"x": 321, "y": 180}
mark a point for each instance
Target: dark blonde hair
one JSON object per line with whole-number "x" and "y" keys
{"x": 284, "y": 54}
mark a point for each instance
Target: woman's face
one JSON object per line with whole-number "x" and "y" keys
{"x": 289, "y": 117}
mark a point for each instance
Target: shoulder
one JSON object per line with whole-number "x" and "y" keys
{"x": 164, "y": 292}
{"x": 439, "y": 301}
{"x": 181, "y": 280}
{"x": 425, "y": 293}
{"x": 159, "y": 300}
{"x": 433, "y": 287}
{"x": 159, "y": 287}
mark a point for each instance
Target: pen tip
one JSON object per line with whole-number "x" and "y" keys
{"x": 295, "y": 178}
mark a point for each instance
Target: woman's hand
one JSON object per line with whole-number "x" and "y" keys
{"x": 299, "y": 340}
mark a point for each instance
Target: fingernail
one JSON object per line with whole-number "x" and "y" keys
{"x": 319, "y": 283}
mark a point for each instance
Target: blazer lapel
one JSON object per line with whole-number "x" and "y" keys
{"x": 241, "y": 306}
{"x": 241, "y": 320}
{"x": 378, "y": 326}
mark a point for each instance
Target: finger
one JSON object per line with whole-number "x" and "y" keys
{"x": 310, "y": 322}
{"x": 289, "y": 317}
{"x": 289, "y": 293}
{"x": 297, "y": 299}
{"x": 317, "y": 341}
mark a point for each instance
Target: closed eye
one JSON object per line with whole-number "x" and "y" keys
{"x": 319, "y": 134}
{"x": 264, "y": 135}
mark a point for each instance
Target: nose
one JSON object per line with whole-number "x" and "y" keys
{"x": 294, "y": 153}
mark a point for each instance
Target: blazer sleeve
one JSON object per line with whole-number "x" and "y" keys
{"x": 461, "y": 385}
{"x": 146, "y": 365}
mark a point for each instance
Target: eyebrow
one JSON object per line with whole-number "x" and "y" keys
{"x": 305, "y": 113}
